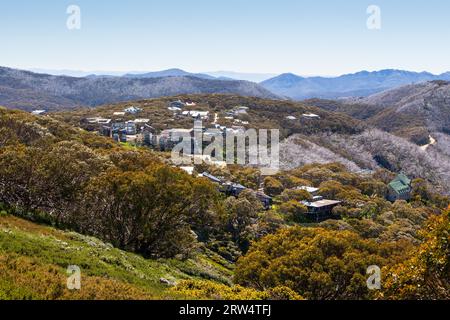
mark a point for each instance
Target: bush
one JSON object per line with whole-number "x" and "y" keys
{"x": 294, "y": 211}
{"x": 314, "y": 262}
{"x": 201, "y": 289}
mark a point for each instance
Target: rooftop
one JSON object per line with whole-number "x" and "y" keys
{"x": 401, "y": 183}
{"x": 310, "y": 115}
{"x": 309, "y": 189}
{"x": 321, "y": 203}
{"x": 211, "y": 177}
{"x": 142, "y": 120}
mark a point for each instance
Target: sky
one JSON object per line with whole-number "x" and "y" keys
{"x": 306, "y": 37}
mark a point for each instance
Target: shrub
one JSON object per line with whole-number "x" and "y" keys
{"x": 201, "y": 289}
{"x": 314, "y": 262}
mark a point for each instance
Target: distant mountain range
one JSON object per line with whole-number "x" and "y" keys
{"x": 27, "y": 90}
{"x": 254, "y": 77}
{"x": 220, "y": 75}
{"x": 359, "y": 84}
{"x": 168, "y": 73}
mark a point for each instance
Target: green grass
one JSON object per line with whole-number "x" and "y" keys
{"x": 50, "y": 248}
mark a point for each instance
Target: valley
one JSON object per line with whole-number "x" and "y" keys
{"x": 105, "y": 195}
{"x": 224, "y": 159}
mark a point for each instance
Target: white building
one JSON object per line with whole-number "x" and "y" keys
{"x": 133, "y": 110}
{"x": 204, "y": 115}
{"x": 141, "y": 121}
{"x": 311, "y": 116}
{"x": 99, "y": 120}
{"x": 38, "y": 112}
{"x": 174, "y": 109}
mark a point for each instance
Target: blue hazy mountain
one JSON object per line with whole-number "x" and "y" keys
{"x": 363, "y": 83}
{"x": 168, "y": 73}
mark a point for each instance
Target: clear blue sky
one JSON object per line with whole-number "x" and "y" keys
{"x": 325, "y": 37}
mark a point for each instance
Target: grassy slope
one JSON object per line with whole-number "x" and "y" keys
{"x": 34, "y": 259}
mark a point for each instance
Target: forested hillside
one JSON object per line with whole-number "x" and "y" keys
{"x": 331, "y": 137}
{"x": 140, "y": 228}
{"x": 414, "y": 112}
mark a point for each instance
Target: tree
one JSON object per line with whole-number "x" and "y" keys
{"x": 272, "y": 186}
{"x": 373, "y": 187}
{"x": 18, "y": 181}
{"x": 206, "y": 210}
{"x": 294, "y": 211}
{"x": 331, "y": 189}
{"x": 426, "y": 274}
{"x": 143, "y": 211}
{"x": 63, "y": 172}
{"x": 314, "y": 262}
{"x": 241, "y": 214}
{"x": 294, "y": 194}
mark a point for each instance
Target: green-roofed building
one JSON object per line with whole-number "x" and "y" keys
{"x": 400, "y": 188}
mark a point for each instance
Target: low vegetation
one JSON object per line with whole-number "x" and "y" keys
{"x": 140, "y": 228}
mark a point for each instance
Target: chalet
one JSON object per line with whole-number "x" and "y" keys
{"x": 203, "y": 115}
{"x": 240, "y": 110}
{"x": 400, "y": 188}
{"x": 238, "y": 121}
{"x": 177, "y": 104}
{"x": 310, "y": 116}
{"x": 174, "y": 109}
{"x": 97, "y": 120}
{"x": 211, "y": 178}
{"x": 132, "y": 110}
{"x": 95, "y": 124}
{"x": 235, "y": 189}
{"x": 141, "y": 121}
{"x": 291, "y": 118}
{"x": 320, "y": 210}
{"x": 38, "y": 112}
{"x": 119, "y": 114}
